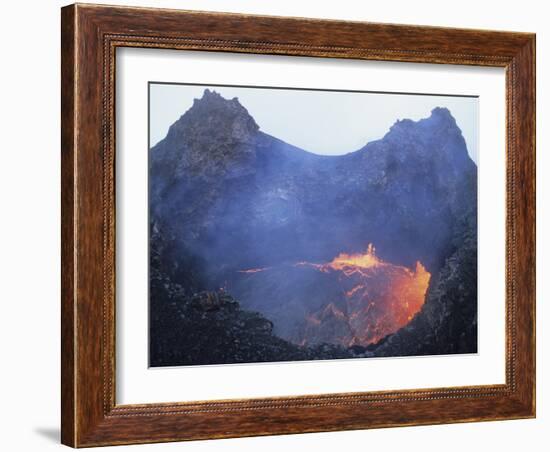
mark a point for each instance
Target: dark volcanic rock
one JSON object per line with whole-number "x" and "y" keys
{"x": 447, "y": 323}
{"x": 240, "y": 198}
{"x": 229, "y": 197}
{"x": 189, "y": 326}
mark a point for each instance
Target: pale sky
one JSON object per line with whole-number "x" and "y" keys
{"x": 322, "y": 122}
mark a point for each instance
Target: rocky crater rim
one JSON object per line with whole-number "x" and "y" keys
{"x": 214, "y": 107}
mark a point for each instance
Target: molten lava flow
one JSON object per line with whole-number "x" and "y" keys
{"x": 349, "y": 263}
{"x": 378, "y": 299}
{"x": 358, "y": 261}
{"x": 354, "y": 299}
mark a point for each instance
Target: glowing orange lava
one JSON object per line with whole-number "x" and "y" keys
{"x": 349, "y": 263}
{"x": 366, "y": 260}
{"x": 361, "y": 298}
{"x": 379, "y": 298}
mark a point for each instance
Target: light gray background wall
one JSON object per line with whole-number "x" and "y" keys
{"x": 29, "y": 234}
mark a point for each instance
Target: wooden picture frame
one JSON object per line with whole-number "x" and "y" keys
{"x": 90, "y": 36}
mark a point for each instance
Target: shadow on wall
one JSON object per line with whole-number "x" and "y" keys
{"x": 50, "y": 433}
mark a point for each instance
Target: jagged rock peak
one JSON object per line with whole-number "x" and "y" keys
{"x": 438, "y": 116}
{"x": 435, "y": 138}
{"x": 214, "y": 114}
{"x": 442, "y": 114}
{"x": 212, "y": 98}
{"x": 213, "y": 103}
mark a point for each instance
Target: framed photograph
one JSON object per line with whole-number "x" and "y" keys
{"x": 281, "y": 225}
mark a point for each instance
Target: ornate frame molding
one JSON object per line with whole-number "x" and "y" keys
{"x": 90, "y": 37}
